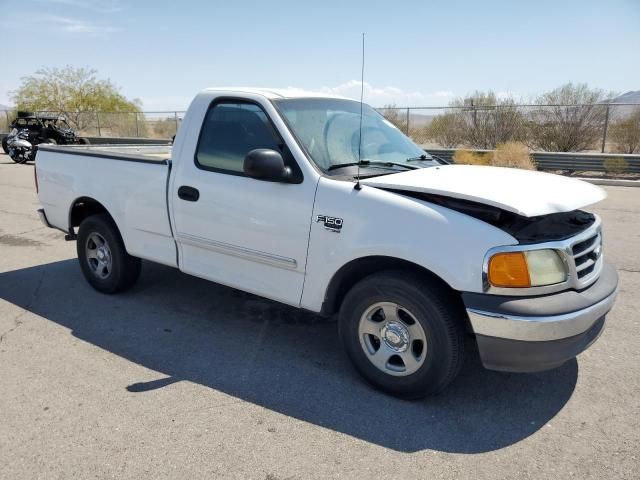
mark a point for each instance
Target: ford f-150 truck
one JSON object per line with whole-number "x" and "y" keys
{"x": 319, "y": 202}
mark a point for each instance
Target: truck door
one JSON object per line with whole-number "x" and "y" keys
{"x": 232, "y": 229}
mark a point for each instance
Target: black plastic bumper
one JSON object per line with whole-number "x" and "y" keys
{"x": 520, "y": 356}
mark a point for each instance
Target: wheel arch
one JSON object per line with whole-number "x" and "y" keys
{"x": 355, "y": 270}
{"x": 83, "y": 207}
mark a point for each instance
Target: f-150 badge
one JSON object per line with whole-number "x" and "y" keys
{"x": 332, "y": 224}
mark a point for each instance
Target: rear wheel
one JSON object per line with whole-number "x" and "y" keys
{"x": 103, "y": 258}
{"x": 83, "y": 141}
{"x": 404, "y": 334}
{"x": 5, "y": 145}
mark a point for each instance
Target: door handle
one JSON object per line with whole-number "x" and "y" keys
{"x": 189, "y": 194}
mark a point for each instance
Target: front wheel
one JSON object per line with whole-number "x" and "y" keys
{"x": 103, "y": 258}
{"x": 403, "y": 333}
{"x": 19, "y": 156}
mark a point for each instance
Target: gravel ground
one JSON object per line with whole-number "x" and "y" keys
{"x": 181, "y": 378}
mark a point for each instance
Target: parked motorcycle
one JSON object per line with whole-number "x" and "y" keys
{"x": 20, "y": 148}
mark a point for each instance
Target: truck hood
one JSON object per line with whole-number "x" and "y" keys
{"x": 523, "y": 192}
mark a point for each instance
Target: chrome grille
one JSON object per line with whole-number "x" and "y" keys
{"x": 587, "y": 258}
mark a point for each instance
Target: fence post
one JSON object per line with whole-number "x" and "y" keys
{"x": 175, "y": 115}
{"x": 137, "y": 129}
{"x": 497, "y": 125}
{"x": 408, "y": 116}
{"x": 606, "y": 125}
{"x": 474, "y": 114}
{"x": 98, "y": 123}
{"x": 6, "y": 114}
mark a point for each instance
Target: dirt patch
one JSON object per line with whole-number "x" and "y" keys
{"x": 17, "y": 241}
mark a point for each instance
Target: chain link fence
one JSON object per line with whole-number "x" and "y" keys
{"x": 605, "y": 128}
{"x": 6, "y": 116}
{"x": 114, "y": 124}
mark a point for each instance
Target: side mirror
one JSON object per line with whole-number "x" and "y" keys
{"x": 266, "y": 164}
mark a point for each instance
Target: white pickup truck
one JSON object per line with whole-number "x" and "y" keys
{"x": 272, "y": 192}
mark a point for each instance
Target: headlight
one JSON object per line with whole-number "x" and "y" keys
{"x": 532, "y": 268}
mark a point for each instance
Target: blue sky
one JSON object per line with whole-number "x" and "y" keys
{"x": 418, "y": 52}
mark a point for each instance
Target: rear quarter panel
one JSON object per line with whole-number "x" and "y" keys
{"x": 134, "y": 193}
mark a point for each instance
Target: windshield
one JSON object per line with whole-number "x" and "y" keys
{"x": 329, "y": 129}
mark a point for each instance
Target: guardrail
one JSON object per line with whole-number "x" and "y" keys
{"x": 571, "y": 161}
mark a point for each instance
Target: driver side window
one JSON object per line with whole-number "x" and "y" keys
{"x": 232, "y": 129}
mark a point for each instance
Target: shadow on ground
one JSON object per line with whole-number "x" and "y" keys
{"x": 282, "y": 359}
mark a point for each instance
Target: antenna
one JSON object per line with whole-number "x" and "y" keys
{"x": 357, "y": 185}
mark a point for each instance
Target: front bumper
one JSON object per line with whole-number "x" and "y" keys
{"x": 525, "y": 334}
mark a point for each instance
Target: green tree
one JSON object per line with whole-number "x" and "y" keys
{"x": 72, "y": 92}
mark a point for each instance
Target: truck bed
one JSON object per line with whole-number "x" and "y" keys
{"x": 130, "y": 181}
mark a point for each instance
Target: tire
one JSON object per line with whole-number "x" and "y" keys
{"x": 83, "y": 141}
{"x": 5, "y": 145}
{"x": 424, "y": 318}
{"x": 19, "y": 159}
{"x": 50, "y": 141}
{"x": 119, "y": 270}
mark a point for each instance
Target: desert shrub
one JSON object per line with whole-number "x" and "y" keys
{"x": 468, "y": 157}
{"x": 396, "y": 116}
{"x": 615, "y": 165}
{"x": 122, "y": 124}
{"x": 447, "y": 130}
{"x": 163, "y": 128}
{"x": 626, "y": 133}
{"x": 510, "y": 154}
{"x": 514, "y": 155}
{"x": 5, "y": 119}
{"x": 484, "y": 120}
{"x": 570, "y": 118}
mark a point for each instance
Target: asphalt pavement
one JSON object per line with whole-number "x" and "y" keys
{"x": 182, "y": 378}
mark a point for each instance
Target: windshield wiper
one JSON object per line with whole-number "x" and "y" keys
{"x": 430, "y": 158}
{"x": 420, "y": 158}
{"x": 370, "y": 163}
{"x": 441, "y": 160}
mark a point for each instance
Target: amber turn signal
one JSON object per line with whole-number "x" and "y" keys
{"x": 509, "y": 269}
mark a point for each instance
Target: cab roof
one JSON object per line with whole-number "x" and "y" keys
{"x": 276, "y": 93}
